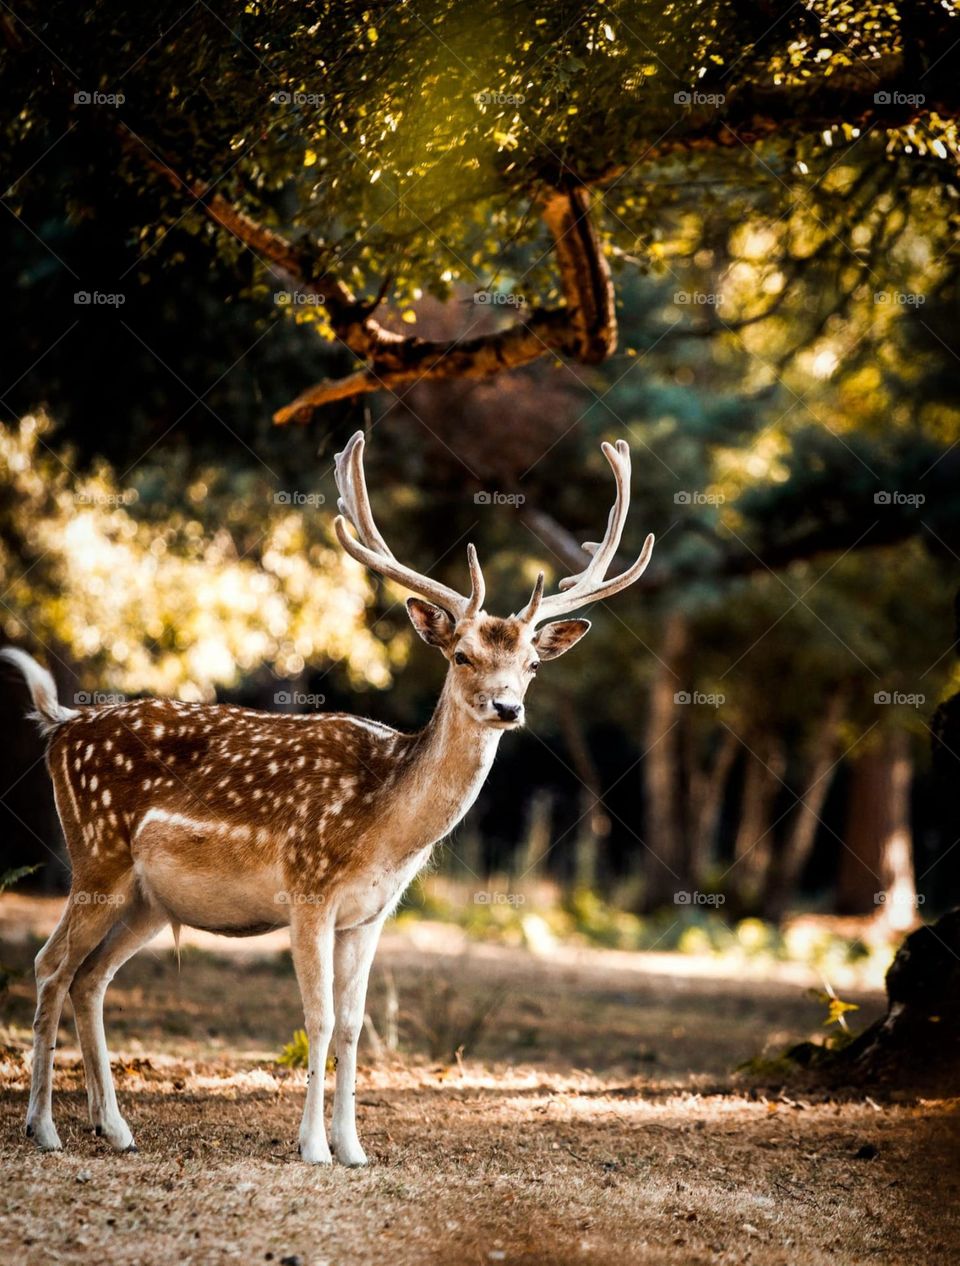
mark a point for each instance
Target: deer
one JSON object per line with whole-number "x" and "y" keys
{"x": 236, "y": 821}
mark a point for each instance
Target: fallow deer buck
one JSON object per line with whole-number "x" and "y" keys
{"x": 237, "y": 821}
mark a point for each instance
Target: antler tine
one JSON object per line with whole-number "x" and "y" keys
{"x": 371, "y": 550}
{"x": 478, "y": 586}
{"x": 590, "y": 585}
{"x": 354, "y": 499}
{"x": 529, "y": 613}
{"x": 604, "y": 552}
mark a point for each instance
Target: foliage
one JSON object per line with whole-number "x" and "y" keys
{"x": 296, "y": 1053}
{"x": 10, "y": 877}
{"x": 164, "y": 601}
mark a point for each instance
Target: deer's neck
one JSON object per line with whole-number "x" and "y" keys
{"x": 448, "y": 764}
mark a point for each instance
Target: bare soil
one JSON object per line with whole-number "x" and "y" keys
{"x": 593, "y": 1117}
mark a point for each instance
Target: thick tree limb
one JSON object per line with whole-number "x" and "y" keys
{"x": 585, "y": 328}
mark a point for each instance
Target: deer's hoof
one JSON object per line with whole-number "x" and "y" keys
{"x": 315, "y": 1153}
{"x": 45, "y": 1136}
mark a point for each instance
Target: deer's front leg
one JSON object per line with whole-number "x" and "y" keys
{"x": 353, "y": 956}
{"x": 311, "y": 942}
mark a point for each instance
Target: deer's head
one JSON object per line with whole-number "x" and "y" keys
{"x": 492, "y": 659}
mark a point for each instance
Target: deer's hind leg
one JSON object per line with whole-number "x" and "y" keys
{"x": 91, "y": 911}
{"x": 137, "y": 925}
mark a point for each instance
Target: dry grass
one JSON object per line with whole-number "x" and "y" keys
{"x": 595, "y": 1121}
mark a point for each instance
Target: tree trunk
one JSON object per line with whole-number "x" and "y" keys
{"x": 537, "y": 834}
{"x": 594, "y": 823}
{"x": 762, "y": 780}
{"x": 665, "y": 861}
{"x": 707, "y": 789}
{"x": 790, "y": 862}
{"x": 917, "y": 1043}
{"x": 876, "y": 867}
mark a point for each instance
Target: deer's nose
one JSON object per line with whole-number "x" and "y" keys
{"x": 507, "y": 711}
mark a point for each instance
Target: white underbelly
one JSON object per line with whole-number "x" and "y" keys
{"x": 233, "y": 904}
{"x": 175, "y": 867}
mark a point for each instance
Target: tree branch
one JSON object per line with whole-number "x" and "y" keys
{"x": 585, "y": 328}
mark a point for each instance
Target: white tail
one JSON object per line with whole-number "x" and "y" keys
{"x": 43, "y": 690}
{"x": 238, "y": 821}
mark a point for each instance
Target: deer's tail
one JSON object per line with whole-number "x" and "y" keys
{"x": 48, "y": 710}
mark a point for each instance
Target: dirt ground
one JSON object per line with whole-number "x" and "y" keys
{"x": 594, "y": 1118}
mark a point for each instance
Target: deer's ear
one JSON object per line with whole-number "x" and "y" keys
{"x": 435, "y": 625}
{"x": 553, "y": 639}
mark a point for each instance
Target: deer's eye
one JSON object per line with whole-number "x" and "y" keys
{"x": 535, "y": 665}
{"x": 461, "y": 659}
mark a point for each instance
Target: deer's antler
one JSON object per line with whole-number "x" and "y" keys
{"x": 590, "y": 585}
{"x": 370, "y": 549}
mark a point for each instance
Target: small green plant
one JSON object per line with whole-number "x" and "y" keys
{"x": 296, "y": 1054}
{"x": 11, "y": 877}
{"x": 836, "y": 1014}
{"x": 7, "y": 879}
